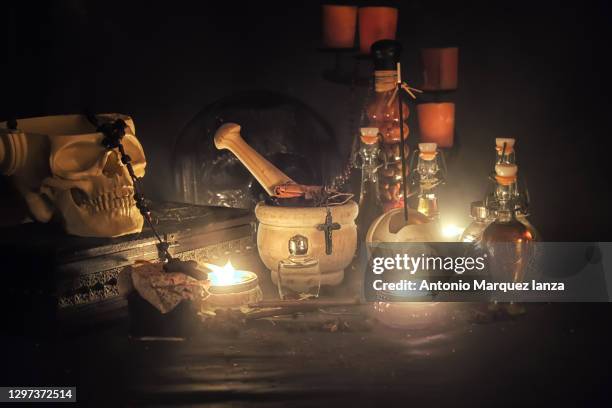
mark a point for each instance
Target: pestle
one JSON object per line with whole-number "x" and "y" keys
{"x": 269, "y": 176}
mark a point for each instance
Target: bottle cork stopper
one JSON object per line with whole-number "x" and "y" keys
{"x": 506, "y": 170}
{"x": 369, "y": 135}
{"x": 427, "y": 151}
{"x": 499, "y": 144}
{"x": 428, "y": 147}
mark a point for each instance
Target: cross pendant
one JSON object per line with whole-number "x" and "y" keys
{"x": 328, "y": 227}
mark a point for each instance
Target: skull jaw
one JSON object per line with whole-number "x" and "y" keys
{"x": 103, "y": 225}
{"x": 81, "y": 221}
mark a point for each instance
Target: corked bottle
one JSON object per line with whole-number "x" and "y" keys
{"x": 506, "y": 239}
{"x": 430, "y": 173}
{"x": 381, "y": 110}
{"x": 505, "y": 154}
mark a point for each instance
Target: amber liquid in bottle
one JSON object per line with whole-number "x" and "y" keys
{"x": 507, "y": 240}
{"x": 511, "y": 245}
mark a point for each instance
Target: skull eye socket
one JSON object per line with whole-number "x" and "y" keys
{"x": 77, "y": 158}
{"x": 134, "y": 149}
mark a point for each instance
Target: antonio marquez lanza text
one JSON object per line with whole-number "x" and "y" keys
{"x": 424, "y": 285}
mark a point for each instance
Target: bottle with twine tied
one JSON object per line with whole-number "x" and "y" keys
{"x": 382, "y": 110}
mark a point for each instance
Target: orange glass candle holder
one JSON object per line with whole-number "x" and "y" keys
{"x": 339, "y": 26}
{"x": 439, "y": 68}
{"x": 437, "y": 123}
{"x": 376, "y": 23}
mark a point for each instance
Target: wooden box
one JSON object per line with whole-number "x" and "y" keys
{"x": 50, "y": 276}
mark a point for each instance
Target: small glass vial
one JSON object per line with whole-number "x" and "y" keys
{"x": 299, "y": 276}
{"x": 429, "y": 174}
{"x": 480, "y": 221}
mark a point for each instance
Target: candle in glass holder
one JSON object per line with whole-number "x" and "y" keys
{"x": 339, "y": 24}
{"x": 437, "y": 123}
{"x": 376, "y": 23}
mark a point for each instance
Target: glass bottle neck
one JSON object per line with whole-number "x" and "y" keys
{"x": 508, "y": 158}
{"x": 506, "y": 196}
{"x": 428, "y": 171}
{"x": 385, "y": 80}
{"x": 370, "y": 161}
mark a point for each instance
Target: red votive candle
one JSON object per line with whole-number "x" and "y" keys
{"x": 437, "y": 123}
{"x": 376, "y": 23}
{"x": 339, "y": 23}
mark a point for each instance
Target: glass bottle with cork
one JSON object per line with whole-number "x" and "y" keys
{"x": 428, "y": 174}
{"x": 505, "y": 153}
{"x": 381, "y": 111}
{"x": 506, "y": 238}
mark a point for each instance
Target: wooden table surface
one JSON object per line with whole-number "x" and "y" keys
{"x": 554, "y": 353}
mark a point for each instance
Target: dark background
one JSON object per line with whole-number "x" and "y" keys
{"x": 536, "y": 71}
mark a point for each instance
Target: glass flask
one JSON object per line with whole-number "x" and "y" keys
{"x": 299, "y": 276}
{"x": 505, "y": 153}
{"x": 381, "y": 110}
{"x": 370, "y": 206}
{"x": 515, "y": 192}
{"x": 508, "y": 241}
{"x": 428, "y": 174}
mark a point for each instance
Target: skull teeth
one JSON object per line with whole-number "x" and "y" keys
{"x": 119, "y": 202}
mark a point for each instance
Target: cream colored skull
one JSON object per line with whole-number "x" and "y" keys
{"x": 85, "y": 183}
{"x": 92, "y": 188}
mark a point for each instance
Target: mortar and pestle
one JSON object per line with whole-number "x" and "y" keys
{"x": 287, "y": 214}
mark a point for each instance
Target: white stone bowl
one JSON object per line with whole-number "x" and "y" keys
{"x": 278, "y": 224}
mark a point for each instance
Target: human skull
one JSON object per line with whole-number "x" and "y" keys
{"x": 88, "y": 185}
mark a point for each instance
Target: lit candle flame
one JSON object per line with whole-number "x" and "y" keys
{"x": 224, "y": 275}
{"x": 451, "y": 231}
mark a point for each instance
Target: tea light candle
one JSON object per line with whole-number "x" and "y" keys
{"x": 230, "y": 287}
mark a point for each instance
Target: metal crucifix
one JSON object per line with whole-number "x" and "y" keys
{"x": 328, "y": 227}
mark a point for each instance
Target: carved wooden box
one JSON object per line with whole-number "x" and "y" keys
{"x": 50, "y": 275}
